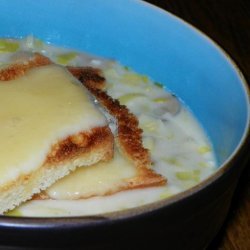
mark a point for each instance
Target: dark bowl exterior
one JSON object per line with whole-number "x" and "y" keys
{"x": 190, "y": 223}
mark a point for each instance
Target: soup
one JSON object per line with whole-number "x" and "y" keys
{"x": 179, "y": 147}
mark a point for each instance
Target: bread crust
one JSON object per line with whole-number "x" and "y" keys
{"x": 19, "y": 69}
{"x": 82, "y": 143}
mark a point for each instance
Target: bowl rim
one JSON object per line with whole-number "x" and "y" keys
{"x": 54, "y": 222}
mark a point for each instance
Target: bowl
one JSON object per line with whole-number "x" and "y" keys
{"x": 156, "y": 43}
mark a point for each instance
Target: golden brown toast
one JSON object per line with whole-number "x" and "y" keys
{"x": 83, "y": 148}
{"x": 108, "y": 178}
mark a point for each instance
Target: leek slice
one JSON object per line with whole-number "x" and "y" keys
{"x": 204, "y": 149}
{"x": 124, "y": 99}
{"x": 188, "y": 175}
{"x": 8, "y": 46}
{"x": 133, "y": 79}
{"x": 65, "y": 58}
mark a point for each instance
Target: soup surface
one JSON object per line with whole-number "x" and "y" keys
{"x": 180, "y": 149}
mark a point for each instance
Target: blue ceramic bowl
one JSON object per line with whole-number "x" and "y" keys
{"x": 158, "y": 44}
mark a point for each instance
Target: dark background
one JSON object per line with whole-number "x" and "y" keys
{"x": 227, "y": 22}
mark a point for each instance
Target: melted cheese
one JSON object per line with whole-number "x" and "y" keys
{"x": 37, "y": 110}
{"x": 92, "y": 180}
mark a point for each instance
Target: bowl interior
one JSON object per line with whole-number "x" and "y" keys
{"x": 152, "y": 42}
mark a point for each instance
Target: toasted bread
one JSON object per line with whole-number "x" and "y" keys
{"x": 69, "y": 146}
{"x": 131, "y": 166}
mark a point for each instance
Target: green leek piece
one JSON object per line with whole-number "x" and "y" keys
{"x": 65, "y": 58}
{"x": 124, "y": 99}
{"x": 165, "y": 195}
{"x": 133, "y": 79}
{"x": 161, "y": 99}
{"x": 204, "y": 149}
{"x": 188, "y": 175}
{"x": 8, "y": 46}
{"x": 14, "y": 212}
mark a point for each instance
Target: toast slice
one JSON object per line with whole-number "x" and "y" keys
{"x": 50, "y": 125}
{"x": 131, "y": 166}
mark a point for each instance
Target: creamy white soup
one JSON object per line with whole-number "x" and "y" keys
{"x": 179, "y": 147}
